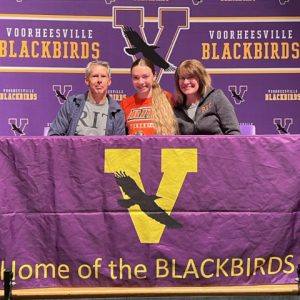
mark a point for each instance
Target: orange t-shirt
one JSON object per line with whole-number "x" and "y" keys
{"x": 138, "y": 114}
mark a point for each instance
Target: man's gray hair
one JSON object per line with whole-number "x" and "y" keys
{"x": 88, "y": 69}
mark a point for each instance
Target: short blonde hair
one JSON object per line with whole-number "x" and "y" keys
{"x": 88, "y": 69}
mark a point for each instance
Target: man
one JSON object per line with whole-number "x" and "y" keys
{"x": 92, "y": 113}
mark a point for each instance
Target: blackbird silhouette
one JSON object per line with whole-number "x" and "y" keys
{"x": 281, "y": 129}
{"x": 235, "y": 95}
{"x": 16, "y": 129}
{"x": 148, "y": 51}
{"x": 60, "y": 95}
{"x": 145, "y": 202}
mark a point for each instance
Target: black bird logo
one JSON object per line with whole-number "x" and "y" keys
{"x": 16, "y": 129}
{"x": 148, "y": 51}
{"x": 145, "y": 202}
{"x": 237, "y": 96}
{"x": 60, "y": 95}
{"x": 281, "y": 129}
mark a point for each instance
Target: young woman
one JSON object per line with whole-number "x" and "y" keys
{"x": 149, "y": 111}
{"x": 199, "y": 108}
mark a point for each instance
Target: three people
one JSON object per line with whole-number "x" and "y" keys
{"x": 91, "y": 113}
{"x": 200, "y": 109}
{"x": 149, "y": 111}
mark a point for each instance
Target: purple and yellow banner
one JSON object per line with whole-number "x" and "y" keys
{"x": 150, "y": 211}
{"x": 250, "y": 48}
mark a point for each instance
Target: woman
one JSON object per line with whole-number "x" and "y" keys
{"x": 149, "y": 111}
{"x": 199, "y": 108}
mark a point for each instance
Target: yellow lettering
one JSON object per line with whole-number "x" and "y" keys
{"x": 24, "y": 50}
{"x": 139, "y": 271}
{"x": 3, "y": 48}
{"x": 290, "y": 264}
{"x": 295, "y": 49}
{"x": 191, "y": 269}
{"x": 29, "y": 272}
{"x": 271, "y": 264}
{"x": 205, "y": 275}
{"x": 274, "y": 51}
{"x": 45, "y": 50}
{"x": 11, "y": 49}
{"x": 162, "y": 270}
{"x": 174, "y": 275}
{"x": 81, "y": 271}
{"x": 74, "y": 50}
{"x": 84, "y": 50}
{"x": 236, "y": 47}
{"x": 258, "y": 51}
{"x": 226, "y": 52}
{"x": 247, "y": 51}
{"x": 285, "y": 50}
{"x": 44, "y": 269}
{"x": 237, "y": 263}
{"x": 63, "y": 269}
{"x": 258, "y": 264}
{"x": 96, "y": 50}
{"x": 56, "y": 49}
{"x": 214, "y": 51}
{"x": 34, "y": 45}
{"x": 220, "y": 267}
{"x": 205, "y": 50}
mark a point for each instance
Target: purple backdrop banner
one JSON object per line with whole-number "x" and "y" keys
{"x": 251, "y": 49}
{"x": 226, "y": 211}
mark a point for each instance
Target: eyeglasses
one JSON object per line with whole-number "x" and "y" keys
{"x": 188, "y": 78}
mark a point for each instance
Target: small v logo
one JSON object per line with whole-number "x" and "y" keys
{"x": 61, "y": 92}
{"x": 238, "y": 94}
{"x": 18, "y": 125}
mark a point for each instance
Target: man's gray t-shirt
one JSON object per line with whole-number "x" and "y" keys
{"x": 93, "y": 119}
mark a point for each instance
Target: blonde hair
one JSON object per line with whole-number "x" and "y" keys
{"x": 162, "y": 112}
{"x": 195, "y": 68}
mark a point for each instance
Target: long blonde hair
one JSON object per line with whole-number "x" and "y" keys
{"x": 195, "y": 68}
{"x": 162, "y": 111}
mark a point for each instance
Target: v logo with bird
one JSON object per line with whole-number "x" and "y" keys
{"x": 146, "y": 202}
{"x": 148, "y": 51}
